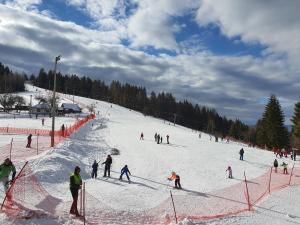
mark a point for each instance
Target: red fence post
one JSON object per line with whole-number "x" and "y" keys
{"x": 10, "y": 149}
{"x": 291, "y": 174}
{"x": 270, "y": 179}
{"x": 37, "y": 144}
{"x": 247, "y": 192}
{"x": 173, "y": 206}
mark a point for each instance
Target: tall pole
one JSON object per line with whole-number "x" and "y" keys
{"x": 53, "y": 101}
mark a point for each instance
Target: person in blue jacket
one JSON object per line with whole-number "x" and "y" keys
{"x": 125, "y": 171}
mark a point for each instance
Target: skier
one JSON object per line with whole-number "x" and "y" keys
{"x": 168, "y": 139}
{"x": 43, "y": 122}
{"x": 284, "y": 168}
{"x": 95, "y": 169}
{"x": 175, "y": 177}
{"x": 242, "y": 154}
{"x": 275, "y": 164}
{"x": 142, "y": 136}
{"x": 107, "y": 163}
{"x": 63, "y": 130}
{"x": 75, "y": 185}
{"x": 229, "y": 172}
{"x": 155, "y": 137}
{"x": 29, "y": 139}
{"x": 294, "y": 155}
{"x": 200, "y": 135}
{"x": 125, "y": 171}
{"x": 161, "y": 139}
{"x": 6, "y": 168}
{"x": 158, "y": 139}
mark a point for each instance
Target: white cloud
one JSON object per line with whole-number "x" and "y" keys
{"x": 275, "y": 23}
{"x": 225, "y": 82}
{"x": 30, "y": 5}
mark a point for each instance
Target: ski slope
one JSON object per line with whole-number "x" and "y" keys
{"x": 201, "y": 163}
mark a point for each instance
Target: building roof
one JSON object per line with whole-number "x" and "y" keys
{"x": 42, "y": 106}
{"x": 71, "y": 106}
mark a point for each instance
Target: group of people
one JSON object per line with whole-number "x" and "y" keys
{"x": 158, "y": 138}
{"x": 284, "y": 153}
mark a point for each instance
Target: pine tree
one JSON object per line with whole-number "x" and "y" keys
{"x": 272, "y": 126}
{"x": 296, "y": 123}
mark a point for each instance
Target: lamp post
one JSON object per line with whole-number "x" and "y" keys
{"x": 53, "y": 101}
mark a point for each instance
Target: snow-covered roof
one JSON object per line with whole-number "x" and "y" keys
{"x": 71, "y": 106}
{"x": 42, "y": 106}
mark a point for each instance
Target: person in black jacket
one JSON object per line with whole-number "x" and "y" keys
{"x": 95, "y": 169}
{"x": 275, "y": 164}
{"x": 242, "y": 154}
{"x": 107, "y": 163}
{"x": 75, "y": 185}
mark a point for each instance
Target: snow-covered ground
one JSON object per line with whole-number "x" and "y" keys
{"x": 201, "y": 164}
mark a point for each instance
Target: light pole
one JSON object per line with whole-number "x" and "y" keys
{"x": 53, "y": 101}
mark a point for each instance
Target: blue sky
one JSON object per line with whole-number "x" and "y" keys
{"x": 228, "y": 56}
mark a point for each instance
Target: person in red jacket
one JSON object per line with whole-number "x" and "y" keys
{"x": 175, "y": 177}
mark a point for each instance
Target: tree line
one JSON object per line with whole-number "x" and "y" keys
{"x": 10, "y": 81}
{"x": 161, "y": 105}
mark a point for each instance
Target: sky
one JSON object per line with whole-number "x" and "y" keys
{"x": 230, "y": 55}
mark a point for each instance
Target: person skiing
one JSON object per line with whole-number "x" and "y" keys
{"x": 294, "y": 154}
{"x": 242, "y": 154}
{"x": 285, "y": 165}
{"x": 161, "y": 139}
{"x": 63, "y": 130}
{"x": 200, "y": 135}
{"x": 229, "y": 172}
{"x": 29, "y": 139}
{"x": 175, "y": 177}
{"x": 275, "y": 164}
{"x": 43, "y": 122}
{"x": 95, "y": 169}
{"x": 6, "y": 168}
{"x": 168, "y": 139}
{"x": 75, "y": 185}
{"x": 107, "y": 163}
{"x": 155, "y": 137}
{"x": 125, "y": 171}
{"x": 142, "y": 136}
{"x": 158, "y": 139}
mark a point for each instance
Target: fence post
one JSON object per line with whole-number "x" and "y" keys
{"x": 270, "y": 179}
{"x": 10, "y": 149}
{"x": 37, "y": 144}
{"x": 291, "y": 174}
{"x": 173, "y": 206}
{"x": 83, "y": 203}
{"x": 247, "y": 192}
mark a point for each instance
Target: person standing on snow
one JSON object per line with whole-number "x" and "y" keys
{"x": 125, "y": 171}
{"x": 142, "y": 136}
{"x": 285, "y": 165}
{"x": 242, "y": 154}
{"x": 29, "y": 139}
{"x": 175, "y": 177}
{"x": 161, "y": 139}
{"x": 168, "y": 139}
{"x": 155, "y": 137}
{"x": 6, "y": 168}
{"x": 107, "y": 163}
{"x": 43, "y": 122}
{"x": 75, "y": 185}
{"x": 95, "y": 169}
{"x": 275, "y": 164}
{"x": 158, "y": 139}
{"x": 229, "y": 172}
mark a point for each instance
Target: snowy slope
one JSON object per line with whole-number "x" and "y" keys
{"x": 201, "y": 163}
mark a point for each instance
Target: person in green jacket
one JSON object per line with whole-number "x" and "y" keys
{"x": 75, "y": 185}
{"x": 6, "y": 168}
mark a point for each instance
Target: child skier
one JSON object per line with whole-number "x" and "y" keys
{"x": 29, "y": 139}
{"x": 275, "y": 164}
{"x": 95, "y": 169}
{"x": 125, "y": 171}
{"x": 285, "y": 165}
{"x": 175, "y": 177}
{"x": 229, "y": 172}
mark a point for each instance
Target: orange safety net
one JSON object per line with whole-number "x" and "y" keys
{"x": 17, "y": 150}
{"x": 28, "y": 199}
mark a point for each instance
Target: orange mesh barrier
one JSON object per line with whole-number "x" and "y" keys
{"x": 28, "y": 199}
{"x": 17, "y": 150}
